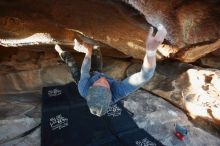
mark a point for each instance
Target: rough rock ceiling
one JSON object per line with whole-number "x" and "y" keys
{"x": 193, "y": 26}
{"x": 188, "y": 22}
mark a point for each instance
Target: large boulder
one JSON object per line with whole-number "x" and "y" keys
{"x": 193, "y": 30}
{"x": 193, "y": 89}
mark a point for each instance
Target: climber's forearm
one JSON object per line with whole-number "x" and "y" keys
{"x": 145, "y": 74}
{"x": 137, "y": 80}
{"x": 149, "y": 61}
{"x": 88, "y": 54}
{"x": 86, "y": 65}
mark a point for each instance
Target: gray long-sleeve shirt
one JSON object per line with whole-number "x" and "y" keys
{"x": 119, "y": 89}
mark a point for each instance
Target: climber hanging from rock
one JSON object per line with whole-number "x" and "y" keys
{"x": 100, "y": 90}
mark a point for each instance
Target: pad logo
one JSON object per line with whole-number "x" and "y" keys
{"x": 114, "y": 111}
{"x": 54, "y": 92}
{"x": 145, "y": 142}
{"x": 58, "y": 122}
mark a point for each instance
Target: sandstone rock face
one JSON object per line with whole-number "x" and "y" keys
{"x": 216, "y": 52}
{"x": 116, "y": 68}
{"x": 202, "y": 93}
{"x": 27, "y": 71}
{"x": 61, "y": 21}
{"x": 34, "y": 80}
{"x": 194, "y": 25}
{"x": 193, "y": 89}
{"x": 194, "y": 53}
{"x": 187, "y": 22}
{"x": 211, "y": 61}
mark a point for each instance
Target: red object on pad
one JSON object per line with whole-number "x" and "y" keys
{"x": 179, "y": 136}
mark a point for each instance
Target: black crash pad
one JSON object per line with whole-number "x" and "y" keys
{"x": 66, "y": 121}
